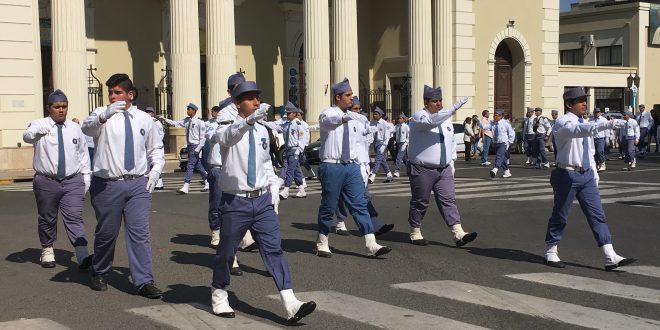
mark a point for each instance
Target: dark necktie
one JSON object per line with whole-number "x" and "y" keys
{"x": 345, "y": 144}
{"x": 129, "y": 154}
{"x": 188, "y": 130}
{"x": 400, "y": 137}
{"x": 252, "y": 161}
{"x": 443, "y": 150}
{"x": 286, "y": 133}
{"x": 585, "y": 150}
{"x": 61, "y": 162}
{"x": 496, "y": 132}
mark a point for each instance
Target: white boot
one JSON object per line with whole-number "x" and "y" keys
{"x": 633, "y": 164}
{"x": 416, "y": 234}
{"x": 460, "y": 237}
{"x": 507, "y": 174}
{"x": 374, "y": 249}
{"x": 206, "y": 186}
{"x": 47, "y": 257}
{"x": 284, "y": 193}
{"x": 341, "y": 229}
{"x": 372, "y": 178}
{"x": 215, "y": 238}
{"x": 81, "y": 253}
{"x": 611, "y": 258}
{"x": 389, "y": 177}
{"x": 304, "y": 184}
{"x": 322, "y": 247}
{"x": 552, "y": 257}
{"x": 295, "y": 309}
{"x": 529, "y": 161}
{"x": 301, "y": 193}
{"x": 184, "y": 189}
{"x": 603, "y": 167}
{"x": 396, "y": 174}
{"x": 493, "y": 172}
{"x": 247, "y": 244}
{"x": 220, "y": 303}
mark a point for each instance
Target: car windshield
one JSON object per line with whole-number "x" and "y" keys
{"x": 458, "y": 128}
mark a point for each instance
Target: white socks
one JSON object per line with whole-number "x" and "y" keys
{"x": 416, "y": 234}
{"x": 215, "y": 237}
{"x": 458, "y": 232}
{"x": 291, "y": 303}
{"x": 551, "y": 253}
{"x": 341, "y": 226}
{"x": 611, "y": 258}
{"x": 370, "y": 242}
{"x": 322, "y": 243}
{"x": 219, "y": 301}
{"x": 184, "y": 189}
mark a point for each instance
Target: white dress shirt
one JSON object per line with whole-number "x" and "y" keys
{"x": 234, "y": 140}
{"x": 484, "y": 123}
{"x": 109, "y": 140}
{"x": 362, "y": 142}
{"x": 402, "y": 131}
{"x": 381, "y": 136}
{"x": 425, "y": 146}
{"x": 600, "y": 134}
{"x": 505, "y": 133}
{"x": 332, "y": 133}
{"x": 214, "y": 157}
{"x": 195, "y": 129}
{"x": 630, "y": 129}
{"x": 544, "y": 126}
{"x": 160, "y": 131}
{"x": 305, "y": 137}
{"x": 528, "y": 125}
{"x": 644, "y": 119}
{"x": 46, "y": 147}
{"x": 569, "y": 134}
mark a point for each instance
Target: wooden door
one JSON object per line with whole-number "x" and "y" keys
{"x": 503, "y": 74}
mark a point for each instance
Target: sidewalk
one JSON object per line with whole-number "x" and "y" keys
{"x": 10, "y": 176}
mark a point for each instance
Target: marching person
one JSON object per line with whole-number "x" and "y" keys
{"x": 304, "y": 142}
{"x": 161, "y": 136}
{"x": 292, "y": 130}
{"x": 542, "y": 131}
{"x": 339, "y": 171}
{"x": 575, "y": 177}
{"x": 503, "y": 137}
{"x": 528, "y": 135}
{"x": 630, "y": 134}
{"x": 599, "y": 141}
{"x": 121, "y": 188}
{"x": 61, "y": 180}
{"x": 195, "y": 130}
{"x": 214, "y": 166}
{"x": 249, "y": 200}
{"x": 432, "y": 135}
{"x": 381, "y": 137}
{"x": 645, "y": 121}
{"x": 402, "y": 131}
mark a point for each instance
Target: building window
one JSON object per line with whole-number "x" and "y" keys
{"x": 612, "y": 98}
{"x": 572, "y": 57}
{"x": 610, "y": 56}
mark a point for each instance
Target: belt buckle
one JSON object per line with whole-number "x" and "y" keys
{"x": 253, "y": 193}
{"x": 127, "y": 177}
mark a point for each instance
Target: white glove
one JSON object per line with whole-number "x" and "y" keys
{"x": 153, "y": 179}
{"x": 381, "y": 149}
{"x": 112, "y": 109}
{"x": 460, "y": 103}
{"x": 43, "y": 130}
{"x": 453, "y": 169}
{"x": 618, "y": 123}
{"x": 88, "y": 181}
{"x": 199, "y": 148}
{"x": 265, "y": 106}
{"x": 275, "y": 197}
{"x": 373, "y": 129}
{"x": 160, "y": 117}
{"x": 260, "y": 114}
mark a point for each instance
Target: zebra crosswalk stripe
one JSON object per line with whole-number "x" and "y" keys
{"x": 32, "y": 324}
{"x": 604, "y": 190}
{"x": 593, "y": 285}
{"x": 377, "y": 314}
{"x": 194, "y": 317}
{"x": 650, "y": 271}
{"x": 530, "y": 305}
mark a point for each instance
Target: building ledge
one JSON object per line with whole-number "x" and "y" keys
{"x": 597, "y": 69}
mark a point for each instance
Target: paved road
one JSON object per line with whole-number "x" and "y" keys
{"x": 496, "y": 282}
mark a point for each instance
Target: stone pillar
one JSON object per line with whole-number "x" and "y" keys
{"x": 220, "y": 48}
{"x": 345, "y": 47}
{"x": 69, "y": 54}
{"x": 443, "y": 48}
{"x": 184, "y": 54}
{"x": 318, "y": 93}
{"x": 420, "y": 56}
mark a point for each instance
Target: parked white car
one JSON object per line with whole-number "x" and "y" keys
{"x": 458, "y": 136}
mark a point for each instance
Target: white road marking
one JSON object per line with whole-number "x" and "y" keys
{"x": 650, "y": 271}
{"x": 32, "y": 324}
{"x": 593, "y": 285}
{"x": 530, "y": 305}
{"x": 377, "y": 314}
{"x": 194, "y": 317}
{"x": 641, "y": 198}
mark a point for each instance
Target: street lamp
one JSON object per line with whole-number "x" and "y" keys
{"x": 633, "y": 84}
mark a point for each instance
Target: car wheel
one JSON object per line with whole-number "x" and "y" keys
{"x": 183, "y": 166}
{"x": 281, "y": 156}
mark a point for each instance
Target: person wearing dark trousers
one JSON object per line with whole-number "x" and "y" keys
{"x": 630, "y": 137}
{"x": 62, "y": 178}
{"x": 645, "y": 121}
{"x": 126, "y": 138}
{"x": 599, "y": 142}
{"x": 503, "y": 137}
{"x": 468, "y": 137}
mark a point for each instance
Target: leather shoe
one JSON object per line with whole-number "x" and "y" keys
{"x": 227, "y": 315}
{"x": 150, "y": 291}
{"x": 99, "y": 283}
{"x": 86, "y": 263}
{"x": 384, "y": 229}
{"x": 323, "y": 254}
{"x": 421, "y": 242}
{"x": 624, "y": 262}
{"x": 556, "y": 264}
{"x": 236, "y": 271}
{"x": 467, "y": 238}
{"x": 382, "y": 251}
{"x": 342, "y": 232}
{"x": 304, "y": 310}
{"x": 251, "y": 247}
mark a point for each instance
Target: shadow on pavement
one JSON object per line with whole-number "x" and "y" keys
{"x": 194, "y": 239}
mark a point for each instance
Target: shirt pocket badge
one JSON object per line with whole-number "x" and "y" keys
{"x": 264, "y": 143}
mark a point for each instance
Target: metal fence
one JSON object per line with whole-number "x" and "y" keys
{"x": 94, "y": 90}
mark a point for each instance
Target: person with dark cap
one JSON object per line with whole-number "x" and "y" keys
{"x": 503, "y": 137}
{"x": 195, "y": 130}
{"x": 432, "y": 135}
{"x": 542, "y": 129}
{"x": 161, "y": 135}
{"x": 381, "y": 137}
{"x": 402, "y": 131}
{"x": 599, "y": 141}
{"x": 629, "y": 137}
{"x": 249, "y": 199}
{"x": 528, "y": 135}
{"x": 339, "y": 171}
{"x": 575, "y": 177}
{"x": 122, "y": 184}
{"x": 554, "y": 114}
{"x": 214, "y": 166}
{"x": 645, "y": 122}
{"x": 304, "y": 142}
{"x": 292, "y": 131}
{"x": 62, "y": 178}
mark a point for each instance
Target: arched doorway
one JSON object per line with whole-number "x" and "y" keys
{"x": 503, "y": 78}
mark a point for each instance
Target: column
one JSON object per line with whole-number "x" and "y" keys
{"x": 69, "y": 54}
{"x": 420, "y": 56}
{"x": 318, "y": 93}
{"x": 443, "y": 48}
{"x": 184, "y": 55}
{"x": 220, "y": 48}
{"x": 345, "y": 47}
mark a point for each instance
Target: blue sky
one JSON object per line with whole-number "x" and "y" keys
{"x": 565, "y": 5}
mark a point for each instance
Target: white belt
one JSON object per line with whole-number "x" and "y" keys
{"x": 247, "y": 194}
{"x": 338, "y": 161}
{"x": 578, "y": 169}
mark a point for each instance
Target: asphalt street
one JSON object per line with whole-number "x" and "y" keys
{"x": 498, "y": 281}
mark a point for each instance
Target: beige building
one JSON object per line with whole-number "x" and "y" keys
{"x": 605, "y": 43}
{"x": 502, "y": 54}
